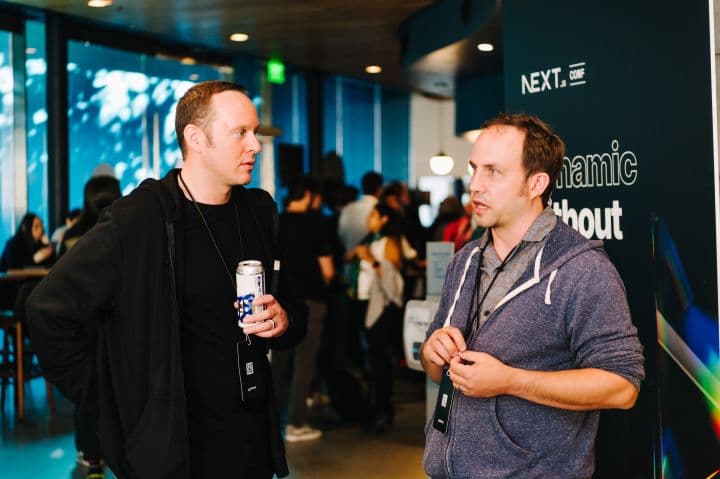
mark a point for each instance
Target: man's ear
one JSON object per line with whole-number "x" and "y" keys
{"x": 194, "y": 136}
{"x": 538, "y": 183}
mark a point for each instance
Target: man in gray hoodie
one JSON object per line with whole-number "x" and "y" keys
{"x": 533, "y": 336}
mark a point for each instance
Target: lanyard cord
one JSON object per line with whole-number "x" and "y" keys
{"x": 209, "y": 231}
{"x": 471, "y": 325}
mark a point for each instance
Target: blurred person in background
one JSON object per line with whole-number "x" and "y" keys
{"x": 381, "y": 261}
{"x": 450, "y": 210}
{"x": 397, "y": 196}
{"x": 28, "y": 247}
{"x": 352, "y": 225}
{"x": 99, "y": 192}
{"x": 57, "y": 236}
{"x": 463, "y": 230}
{"x": 352, "y": 229}
{"x": 307, "y": 258}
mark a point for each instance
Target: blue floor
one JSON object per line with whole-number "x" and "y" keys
{"x": 41, "y": 445}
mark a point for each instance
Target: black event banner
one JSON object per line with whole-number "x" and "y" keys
{"x": 628, "y": 86}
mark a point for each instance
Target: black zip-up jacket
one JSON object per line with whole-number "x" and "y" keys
{"x": 124, "y": 275}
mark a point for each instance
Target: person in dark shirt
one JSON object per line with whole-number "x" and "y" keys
{"x": 99, "y": 192}
{"x": 307, "y": 256}
{"x": 29, "y": 247}
{"x": 184, "y": 391}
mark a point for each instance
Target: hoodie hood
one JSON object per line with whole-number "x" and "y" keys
{"x": 544, "y": 264}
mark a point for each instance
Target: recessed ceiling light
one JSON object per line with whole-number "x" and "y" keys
{"x": 373, "y": 69}
{"x": 99, "y": 3}
{"x": 486, "y": 47}
{"x": 188, "y": 61}
{"x": 239, "y": 37}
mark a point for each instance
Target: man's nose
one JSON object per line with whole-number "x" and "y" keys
{"x": 255, "y": 145}
{"x": 476, "y": 182}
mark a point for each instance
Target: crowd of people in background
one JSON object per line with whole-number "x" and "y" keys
{"x": 357, "y": 258}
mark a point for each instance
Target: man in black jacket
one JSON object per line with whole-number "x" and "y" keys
{"x": 170, "y": 368}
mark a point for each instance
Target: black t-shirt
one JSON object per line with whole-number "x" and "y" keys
{"x": 228, "y": 438}
{"x": 303, "y": 239}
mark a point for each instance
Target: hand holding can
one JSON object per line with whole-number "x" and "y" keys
{"x": 250, "y": 280}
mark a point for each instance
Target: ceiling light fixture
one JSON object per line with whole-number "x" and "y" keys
{"x": 239, "y": 37}
{"x": 188, "y": 61}
{"x": 373, "y": 69}
{"x": 30, "y": 51}
{"x": 441, "y": 164}
{"x": 485, "y": 47}
{"x": 99, "y": 3}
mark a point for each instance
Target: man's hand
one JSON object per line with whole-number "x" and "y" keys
{"x": 443, "y": 345}
{"x": 480, "y": 375}
{"x": 439, "y": 349}
{"x": 270, "y": 323}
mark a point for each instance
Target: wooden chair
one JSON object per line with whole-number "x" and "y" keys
{"x": 17, "y": 357}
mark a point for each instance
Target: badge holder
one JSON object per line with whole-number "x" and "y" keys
{"x": 251, "y": 371}
{"x": 444, "y": 403}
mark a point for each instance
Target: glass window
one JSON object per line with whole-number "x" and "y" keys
{"x": 122, "y": 113}
{"x": 8, "y": 217}
{"x": 290, "y": 115}
{"x": 395, "y": 135}
{"x": 367, "y": 125}
{"x": 358, "y": 130}
{"x": 249, "y": 73}
{"x": 36, "y": 87}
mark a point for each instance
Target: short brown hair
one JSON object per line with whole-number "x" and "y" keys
{"x": 543, "y": 149}
{"x": 194, "y": 106}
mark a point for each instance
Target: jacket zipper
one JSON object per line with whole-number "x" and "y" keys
{"x": 452, "y": 401}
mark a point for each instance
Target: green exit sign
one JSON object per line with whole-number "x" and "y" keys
{"x": 275, "y": 71}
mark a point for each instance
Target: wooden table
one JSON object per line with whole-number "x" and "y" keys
{"x": 19, "y": 275}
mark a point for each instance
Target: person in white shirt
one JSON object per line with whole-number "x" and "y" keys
{"x": 352, "y": 229}
{"x": 352, "y": 225}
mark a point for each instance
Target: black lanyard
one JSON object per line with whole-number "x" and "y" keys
{"x": 473, "y": 318}
{"x": 209, "y": 231}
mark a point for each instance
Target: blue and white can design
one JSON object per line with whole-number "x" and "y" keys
{"x": 250, "y": 279}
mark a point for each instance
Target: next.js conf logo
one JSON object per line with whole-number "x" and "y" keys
{"x": 554, "y": 78}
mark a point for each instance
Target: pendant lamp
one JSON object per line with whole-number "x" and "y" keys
{"x": 441, "y": 164}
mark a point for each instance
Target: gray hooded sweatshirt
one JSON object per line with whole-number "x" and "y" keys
{"x": 567, "y": 311}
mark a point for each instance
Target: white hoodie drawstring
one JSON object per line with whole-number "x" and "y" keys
{"x": 462, "y": 281}
{"x": 547, "y": 291}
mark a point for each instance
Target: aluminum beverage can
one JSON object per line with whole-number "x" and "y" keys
{"x": 250, "y": 280}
